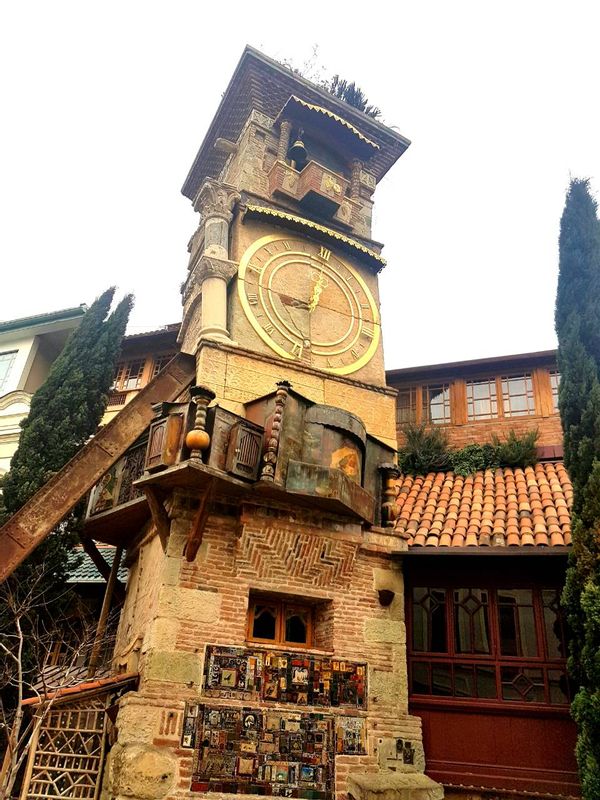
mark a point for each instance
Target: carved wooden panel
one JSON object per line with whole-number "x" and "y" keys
{"x": 68, "y": 757}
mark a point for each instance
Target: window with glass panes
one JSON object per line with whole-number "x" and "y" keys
{"x": 280, "y": 622}
{"x": 436, "y": 404}
{"x": 7, "y": 359}
{"x": 502, "y": 396}
{"x": 554, "y": 384}
{"x": 493, "y": 644}
{"x": 160, "y": 362}
{"x": 129, "y": 375}
{"x": 406, "y": 405}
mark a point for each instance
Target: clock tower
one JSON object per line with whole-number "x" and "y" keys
{"x": 282, "y": 276}
{"x": 265, "y": 610}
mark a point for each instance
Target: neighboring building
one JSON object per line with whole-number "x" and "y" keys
{"x": 142, "y": 357}
{"x": 28, "y": 347}
{"x": 475, "y": 400}
{"x": 279, "y": 567}
{"x": 484, "y": 570}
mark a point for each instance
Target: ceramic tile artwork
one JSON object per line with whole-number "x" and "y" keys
{"x": 264, "y": 752}
{"x": 350, "y": 736}
{"x": 296, "y": 678}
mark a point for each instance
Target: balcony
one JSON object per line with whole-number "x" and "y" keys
{"x": 315, "y": 188}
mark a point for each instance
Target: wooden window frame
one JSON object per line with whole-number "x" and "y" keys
{"x": 418, "y": 396}
{"x": 554, "y": 392}
{"x": 495, "y": 659}
{"x": 281, "y": 606}
{"x": 159, "y": 362}
{"x": 119, "y": 383}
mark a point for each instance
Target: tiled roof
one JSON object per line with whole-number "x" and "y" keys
{"x": 505, "y": 506}
{"x": 86, "y": 572}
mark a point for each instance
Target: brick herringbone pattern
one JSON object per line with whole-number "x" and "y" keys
{"x": 283, "y": 554}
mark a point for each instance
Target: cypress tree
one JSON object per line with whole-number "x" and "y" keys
{"x": 65, "y": 412}
{"x": 578, "y": 329}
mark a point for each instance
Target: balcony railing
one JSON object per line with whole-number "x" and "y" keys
{"x": 116, "y": 487}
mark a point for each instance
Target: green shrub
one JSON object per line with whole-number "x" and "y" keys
{"x": 516, "y": 451}
{"x": 474, "y": 457}
{"x": 425, "y": 450}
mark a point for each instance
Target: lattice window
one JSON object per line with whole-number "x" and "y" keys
{"x": 68, "y": 757}
{"x": 132, "y": 470}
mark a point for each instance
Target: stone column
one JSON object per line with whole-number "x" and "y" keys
{"x": 283, "y": 146}
{"x": 355, "y": 179}
{"x": 215, "y": 203}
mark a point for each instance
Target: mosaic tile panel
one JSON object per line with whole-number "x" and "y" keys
{"x": 296, "y": 678}
{"x": 264, "y": 752}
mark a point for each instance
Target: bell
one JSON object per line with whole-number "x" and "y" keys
{"x": 298, "y": 153}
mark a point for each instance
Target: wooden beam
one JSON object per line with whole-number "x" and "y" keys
{"x": 159, "y": 515}
{"x": 197, "y": 530}
{"x": 106, "y": 604}
{"x": 102, "y": 565}
{"x": 51, "y": 504}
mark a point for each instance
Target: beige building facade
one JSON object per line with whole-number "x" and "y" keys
{"x": 28, "y": 347}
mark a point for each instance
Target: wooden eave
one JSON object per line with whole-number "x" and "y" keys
{"x": 332, "y": 127}
{"x": 473, "y": 367}
{"x": 262, "y": 84}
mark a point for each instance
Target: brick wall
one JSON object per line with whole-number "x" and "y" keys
{"x": 206, "y": 602}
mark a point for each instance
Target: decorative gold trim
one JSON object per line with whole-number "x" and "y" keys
{"x": 331, "y": 115}
{"x": 346, "y": 369}
{"x": 272, "y": 212}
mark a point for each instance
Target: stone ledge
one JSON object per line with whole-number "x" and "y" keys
{"x": 404, "y": 784}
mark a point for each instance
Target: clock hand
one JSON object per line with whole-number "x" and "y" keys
{"x": 320, "y": 283}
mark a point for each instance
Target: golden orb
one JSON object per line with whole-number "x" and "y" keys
{"x": 197, "y": 440}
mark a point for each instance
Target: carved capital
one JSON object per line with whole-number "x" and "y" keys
{"x": 211, "y": 267}
{"x": 216, "y": 200}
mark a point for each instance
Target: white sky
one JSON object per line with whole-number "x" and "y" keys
{"x": 104, "y": 106}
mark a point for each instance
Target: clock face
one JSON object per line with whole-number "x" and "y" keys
{"x": 308, "y": 304}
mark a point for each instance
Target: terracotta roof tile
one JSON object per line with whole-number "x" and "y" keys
{"x": 495, "y": 508}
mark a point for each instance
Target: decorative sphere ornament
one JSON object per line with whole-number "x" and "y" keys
{"x": 197, "y": 440}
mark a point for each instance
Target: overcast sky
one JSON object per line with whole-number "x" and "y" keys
{"x": 104, "y": 106}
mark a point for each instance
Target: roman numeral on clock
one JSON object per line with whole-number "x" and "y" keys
{"x": 255, "y": 268}
{"x": 268, "y": 327}
{"x": 324, "y": 253}
{"x": 368, "y": 332}
{"x": 252, "y": 298}
{"x": 287, "y": 245}
{"x": 297, "y": 350}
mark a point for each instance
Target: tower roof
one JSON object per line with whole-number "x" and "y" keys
{"x": 261, "y": 84}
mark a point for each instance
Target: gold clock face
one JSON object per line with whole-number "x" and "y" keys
{"x": 308, "y": 304}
